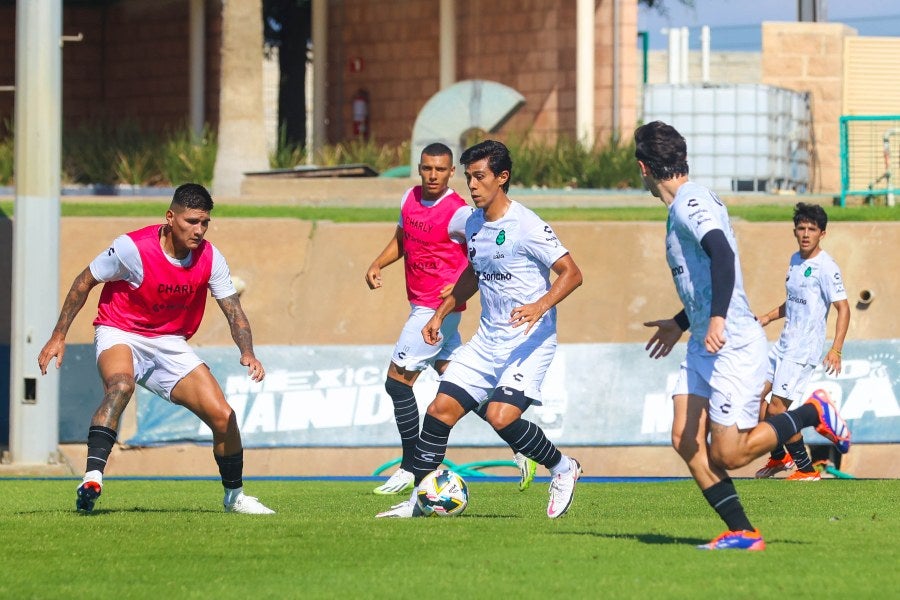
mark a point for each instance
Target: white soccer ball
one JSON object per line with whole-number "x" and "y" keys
{"x": 442, "y": 493}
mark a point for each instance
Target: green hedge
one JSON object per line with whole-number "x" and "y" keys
{"x": 125, "y": 153}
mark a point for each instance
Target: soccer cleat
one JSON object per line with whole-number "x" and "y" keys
{"x": 562, "y": 490}
{"x": 87, "y": 494}
{"x": 831, "y": 425}
{"x": 401, "y": 481}
{"x": 527, "y": 469}
{"x": 247, "y": 505}
{"x": 736, "y": 540}
{"x": 405, "y": 510}
{"x": 804, "y": 476}
{"x": 775, "y": 465}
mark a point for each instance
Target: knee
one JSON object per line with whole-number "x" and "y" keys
{"x": 728, "y": 459}
{"x": 119, "y": 389}
{"x": 446, "y": 410}
{"x": 222, "y": 419}
{"x": 685, "y": 446}
{"x": 500, "y": 421}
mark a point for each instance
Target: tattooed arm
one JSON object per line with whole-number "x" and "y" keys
{"x": 75, "y": 299}
{"x": 240, "y": 333}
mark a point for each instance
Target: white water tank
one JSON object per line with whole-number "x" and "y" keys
{"x": 740, "y": 137}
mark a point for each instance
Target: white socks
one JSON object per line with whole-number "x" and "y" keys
{"x": 562, "y": 467}
{"x": 231, "y": 495}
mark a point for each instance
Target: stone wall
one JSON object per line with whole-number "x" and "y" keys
{"x": 809, "y": 57}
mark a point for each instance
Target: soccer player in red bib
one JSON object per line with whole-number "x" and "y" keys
{"x": 154, "y": 294}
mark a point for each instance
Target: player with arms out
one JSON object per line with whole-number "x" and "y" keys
{"x": 431, "y": 238}
{"x": 716, "y": 397}
{"x": 154, "y": 294}
{"x": 813, "y": 285}
{"x": 511, "y": 254}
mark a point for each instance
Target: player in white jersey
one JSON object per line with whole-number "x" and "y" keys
{"x": 716, "y": 395}
{"x": 431, "y": 238}
{"x": 511, "y": 254}
{"x": 813, "y": 285}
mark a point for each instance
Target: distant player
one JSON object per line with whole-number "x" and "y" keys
{"x": 511, "y": 254}
{"x": 153, "y": 298}
{"x": 813, "y": 285}
{"x": 431, "y": 238}
{"x": 716, "y": 396}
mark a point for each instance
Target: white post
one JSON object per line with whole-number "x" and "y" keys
{"x": 704, "y": 53}
{"x": 674, "y": 54}
{"x": 584, "y": 72}
{"x": 197, "y": 66}
{"x": 447, "y": 43}
{"x": 685, "y": 55}
{"x": 33, "y": 399}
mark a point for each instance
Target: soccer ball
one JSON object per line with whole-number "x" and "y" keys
{"x": 442, "y": 493}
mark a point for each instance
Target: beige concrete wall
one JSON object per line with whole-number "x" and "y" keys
{"x": 305, "y": 286}
{"x": 724, "y": 67}
{"x": 305, "y": 280}
{"x": 809, "y": 57}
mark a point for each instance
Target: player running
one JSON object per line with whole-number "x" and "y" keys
{"x": 511, "y": 254}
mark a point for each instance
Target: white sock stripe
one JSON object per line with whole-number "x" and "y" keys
{"x": 405, "y": 423}
{"x": 724, "y": 500}
{"x": 104, "y": 433}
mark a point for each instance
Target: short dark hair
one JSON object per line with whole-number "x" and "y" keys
{"x": 497, "y": 154}
{"x": 438, "y": 149}
{"x": 660, "y": 147}
{"x": 192, "y": 195}
{"x": 810, "y": 213}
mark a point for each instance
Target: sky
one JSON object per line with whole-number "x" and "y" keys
{"x": 735, "y": 24}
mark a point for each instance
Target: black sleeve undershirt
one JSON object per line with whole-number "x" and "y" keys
{"x": 721, "y": 270}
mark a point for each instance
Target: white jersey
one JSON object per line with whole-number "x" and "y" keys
{"x": 456, "y": 228}
{"x": 694, "y": 212}
{"x": 812, "y": 286}
{"x": 122, "y": 261}
{"x": 511, "y": 257}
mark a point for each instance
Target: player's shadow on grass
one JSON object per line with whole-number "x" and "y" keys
{"x": 661, "y": 538}
{"x": 644, "y": 538}
{"x": 111, "y": 511}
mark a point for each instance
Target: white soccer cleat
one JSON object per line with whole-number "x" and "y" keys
{"x": 248, "y": 505}
{"x": 401, "y": 481}
{"x": 405, "y": 510}
{"x": 562, "y": 490}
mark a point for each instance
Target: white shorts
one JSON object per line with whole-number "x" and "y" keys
{"x": 413, "y": 353}
{"x": 483, "y": 365}
{"x": 789, "y": 378}
{"x": 732, "y": 380}
{"x": 159, "y": 362}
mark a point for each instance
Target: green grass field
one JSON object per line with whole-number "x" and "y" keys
{"x": 170, "y": 539}
{"x": 155, "y": 210}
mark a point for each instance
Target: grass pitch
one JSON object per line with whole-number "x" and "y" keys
{"x": 170, "y": 539}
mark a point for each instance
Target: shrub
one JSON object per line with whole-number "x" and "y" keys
{"x": 568, "y": 163}
{"x": 186, "y": 157}
{"x": 7, "y": 152}
{"x": 101, "y": 152}
{"x": 380, "y": 157}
